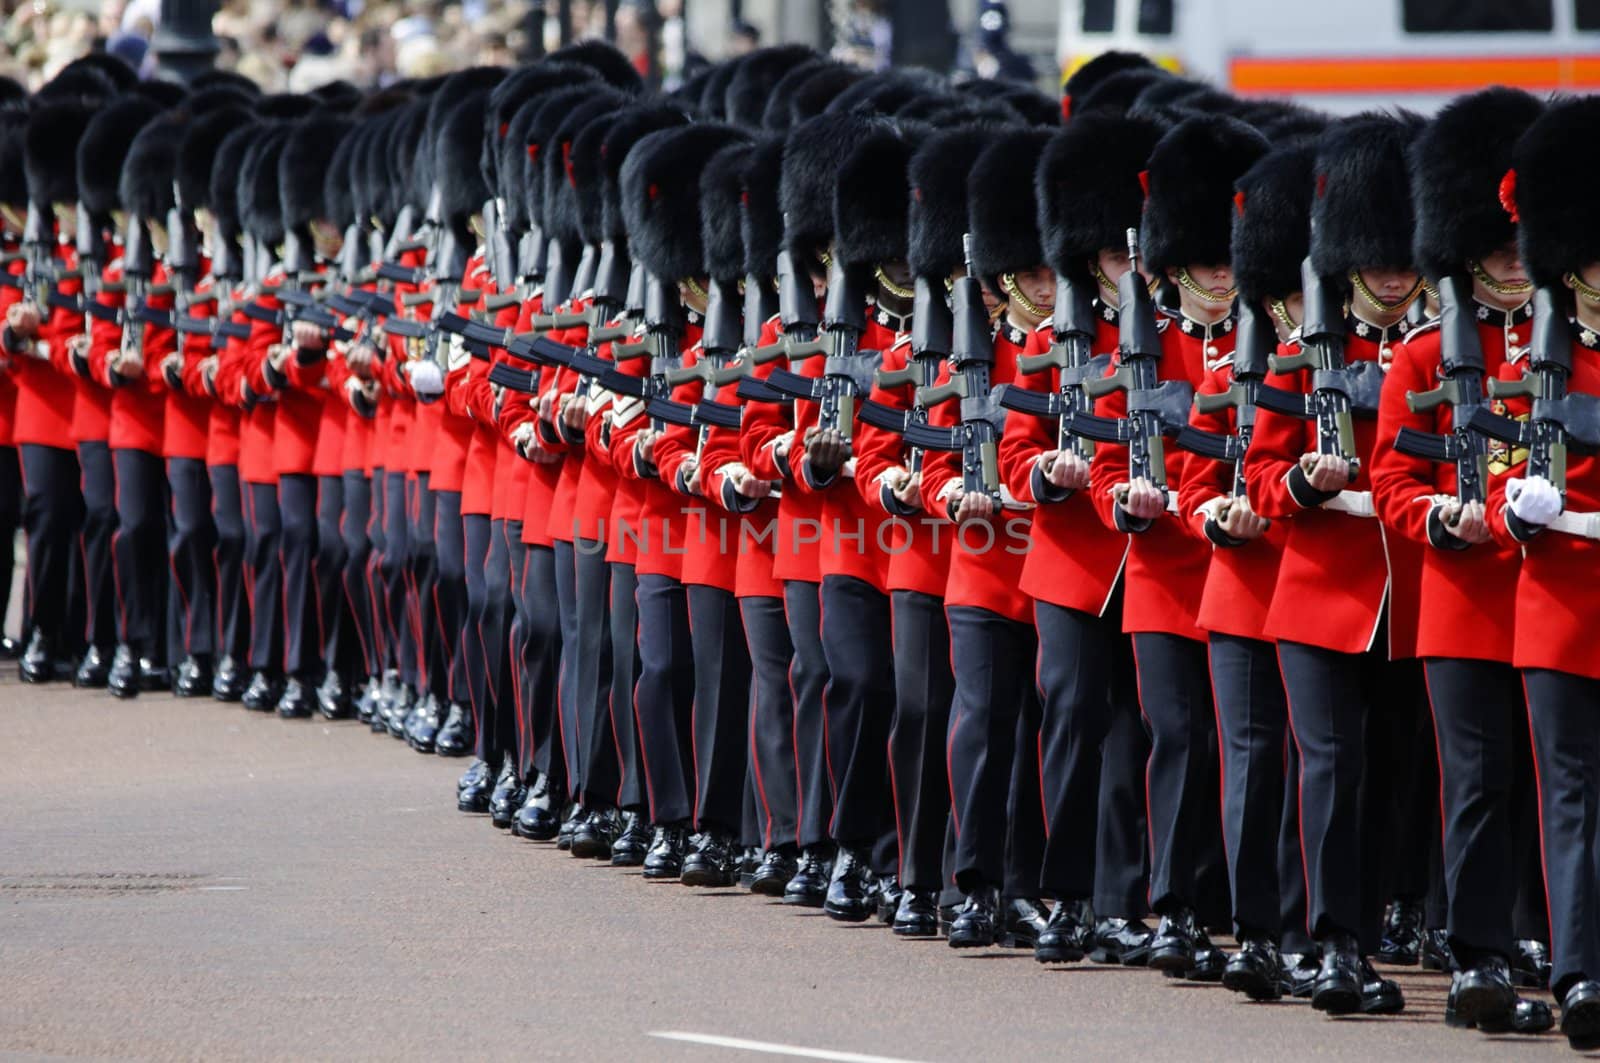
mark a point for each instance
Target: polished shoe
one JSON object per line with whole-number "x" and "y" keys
{"x": 366, "y": 701}
{"x": 193, "y": 678}
{"x": 38, "y": 662}
{"x": 1379, "y": 996}
{"x": 1580, "y": 1015}
{"x": 396, "y": 699}
{"x": 1530, "y": 964}
{"x": 456, "y": 735}
{"x": 422, "y": 729}
{"x": 262, "y": 694}
{"x": 93, "y": 670}
{"x": 889, "y": 891}
{"x": 539, "y": 818}
{"x": 476, "y": 773}
{"x": 1436, "y": 953}
{"x": 1299, "y": 973}
{"x": 1402, "y": 935}
{"x": 849, "y": 898}
{"x": 665, "y": 858}
{"x": 633, "y": 842}
{"x": 479, "y": 788}
{"x": 1121, "y": 941}
{"x": 1209, "y": 962}
{"x": 1339, "y": 981}
{"x": 976, "y": 921}
{"x": 749, "y": 864}
{"x": 808, "y": 886}
{"x": 1482, "y": 996}
{"x": 711, "y": 863}
{"x": 776, "y": 869}
{"x": 153, "y": 676}
{"x": 123, "y": 679}
{"x": 1254, "y": 970}
{"x": 297, "y": 701}
{"x": 592, "y": 839}
{"x": 333, "y": 701}
{"x": 917, "y": 916}
{"x": 1068, "y": 934}
{"x": 1176, "y": 941}
{"x": 1022, "y": 920}
{"x": 506, "y": 800}
{"x": 229, "y": 681}
{"x": 569, "y": 825}
{"x": 407, "y": 725}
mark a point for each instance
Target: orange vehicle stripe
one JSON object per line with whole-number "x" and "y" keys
{"x": 1414, "y": 73}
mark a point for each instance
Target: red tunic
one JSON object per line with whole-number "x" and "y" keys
{"x": 44, "y": 379}
{"x": 799, "y": 529}
{"x": 188, "y": 402}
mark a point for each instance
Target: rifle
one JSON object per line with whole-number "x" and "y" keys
{"x": 1339, "y": 390}
{"x": 1072, "y": 356}
{"x": 1156, "y": 408}
{"x": 1560, "y": 420}
{"x": 847, "y": 372}
{"x": 977, "y": 437}
{"x": 664, "y": 324}
{"x": 1461, "y": 372}
{"x": 797, "y": 312}
{"x": 932, "y": 334}
{"x": 1256, "y": 341}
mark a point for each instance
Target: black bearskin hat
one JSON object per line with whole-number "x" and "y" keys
{"x": 586, "y": 175}
{"x": 51, "y": 151}
{"x": 746, "y": 95}
{"x": 811, "y": 173}
{"x": 1457, "y": 164}
{"x": 147, "y": 174}
{"x": 661, "y": 197}
{"x": 775, "y": 108}
{"x": 227, "y": 157}
{"x": 937, "y": 214}
{"x": 632, "y": 125}
{"x": 1089, "y": 189}
{"x": 1096, "y": 72}
{"x": 1550, "y": 192}
{"x": 260, "y": 200}
{"x": 507, "y": 98}
{"x": 761, "y": 221}
{"x": 302, "y": 166}
{"x": 105, "y": 145}
{"x": 721, "y": 205}
{"x": 1002, "y": 205}
{"x": 605, "y": 60}
{"x": 1188, "y": 213}
{"x": 13, "y": 176}
{"x": 1272, "y": 222}
{"x": 870, "y": 200}
{"x": 1361, "y": 213}
{"x": 561, "y": 217}
{"x": 455, "y": 160}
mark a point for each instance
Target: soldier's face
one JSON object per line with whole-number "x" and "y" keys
{"x": 1590, "y": 275}
{"x": 1218, "y": 280}
{"x": 1389, "y": 283}
{"x": 327, "y": 238}
{"x": 1038, "y": 285}
{"x": 1504, "y": 267}
{"x": 15, "y": 218}
{"x": 158, "y": 237}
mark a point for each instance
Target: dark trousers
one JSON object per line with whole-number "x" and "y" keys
{"x": 539, "y": 641}
{"x": 623, "y": 622}
{"x": 496, "y": 736}
{"x": 393, "y": 583}
{"x": 858, "y": 707}
{"x": 1330, "y": 695}
{"x": 1095, "y": 848}
{"x": 664, "y": 697}
{"x": 721, "y": 721}
{"x": 425, "y": 644}
{"x": 1530, "y": 917}
{"x": 1400, "y": 793}
{"x": 302, "y": 635}
{"x": 1252, "y": 735}
{"x": 1293, "y": 915}
{"x": 449, "y": 598}
{"x": 1175, "y": 697}
{"x": 355, "y": 524}
{"x": 808, "y": 679}
{"x": 1478, "y": 708}
{"x": 266, "y": 578}
{"x": 99, "y": 489}
{"x": 573, "y": 736}
{"x": 336, "y": 648}
{"x": 139, "y": 553}
{"x": 192, "y": 550}
{"x": 591, "y": 673}
{"x": 52, "y": 514}
{"x": 993, "y": 661}
{"x": 10, "y": 521}
{"x": 923, "y": 691}
{"x": 1562, "y": 710}
{"x": 772, "y": 772}
{"x": 233, "y": 586}
{"x": 493, "y": 635}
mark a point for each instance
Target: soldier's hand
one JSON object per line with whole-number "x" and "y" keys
{"x": 208, "y": 372}
{"x": 359, "y": 358}
{"x": 747, "y": 485}
{"x": 171, "y": 364}
{"x": 968, "y": 506}
{"x": 906, "y": 486}
{"x": 691, "y": 477}
{"x": 574, "y": 413}
{"x": 1534, "y": 500}
{"x": 278, "y": 356}
{"x": 826, "y": 450}
{"x": 1326, "y": 472}
{"x": 1065, "y": 469}
{"x": 127, "y": 364}
{"x": 1238, "y": 521}
{"x": 1142, "y": 500}
{"x": 644, "y": 444}
{"x": 24, "y": 320}
{"x": 1469, "y": 523}
{"x": 308, "y": 336}
{"x": 547, "y": 405}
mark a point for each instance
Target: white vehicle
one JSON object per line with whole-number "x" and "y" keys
{"x": 1345, "y": 55}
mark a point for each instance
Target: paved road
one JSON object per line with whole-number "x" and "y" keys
{"x": 187, "y": 880}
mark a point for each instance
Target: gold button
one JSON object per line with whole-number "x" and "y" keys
{"x": 1211, "y": 351}
{"x": 1512, "y": 337}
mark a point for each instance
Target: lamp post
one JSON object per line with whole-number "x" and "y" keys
{"x": 184, "y": 44}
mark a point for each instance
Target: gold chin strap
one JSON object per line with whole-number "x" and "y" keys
{"x": 1371, "y": 297}
{"x": 1481, "y": 275}
{"x": 694, "y": 288}
{"x": 1280, "y": 310}
{"x": 1587, "y": 293}
{"x": 1008, "y": 284}
{"x": 1205, "y": 295}
{"x": 896, "y": 290}
{"x": 1106, "y": 284}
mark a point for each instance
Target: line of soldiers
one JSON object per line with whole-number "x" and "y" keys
{"x": 913, "y": 500}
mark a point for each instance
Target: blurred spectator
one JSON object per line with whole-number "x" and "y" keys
{"x": 743, "y": 38}
{"x": 991, "y": 55}
{"x": 864, "y": 35}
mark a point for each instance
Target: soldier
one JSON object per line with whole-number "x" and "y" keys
{"x": 1548, "y": 198}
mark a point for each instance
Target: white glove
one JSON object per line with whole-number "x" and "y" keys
{"x": 426, "y": 379}
{"x": 1534, "y": 500}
